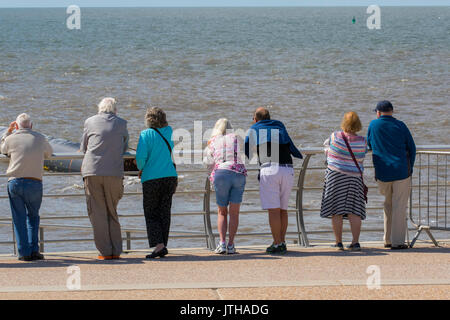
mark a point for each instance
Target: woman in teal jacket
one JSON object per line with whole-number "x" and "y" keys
{"x": 159, "y": 178}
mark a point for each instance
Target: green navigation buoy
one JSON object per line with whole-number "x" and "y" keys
{"x": 354, "y": 20}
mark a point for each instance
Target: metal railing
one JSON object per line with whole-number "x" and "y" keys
{"x": 430, "y": 194}
{"x": 301, "y": 235}
{"x": 438, "y": 187}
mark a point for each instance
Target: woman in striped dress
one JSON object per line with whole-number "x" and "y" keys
{"x": 343, "y": 193}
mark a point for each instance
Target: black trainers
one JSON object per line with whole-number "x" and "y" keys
{"x": 37, "y": 256}
{"x": 274, "y": 249}
{"x": 26, "y": 258}
{"x": 354, "y": 247}
{"x": 339, "y": 246}
{"x": 400, "y": 247}
{"x": 283, "y": 247}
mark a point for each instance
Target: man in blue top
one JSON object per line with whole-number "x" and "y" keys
{"x": 393, "y": 154}
{"x": 274, "y": 149}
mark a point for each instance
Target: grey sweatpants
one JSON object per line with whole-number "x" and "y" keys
{"x": 102, "y": 197}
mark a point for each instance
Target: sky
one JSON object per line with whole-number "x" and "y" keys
{"x": 214, "y": 3}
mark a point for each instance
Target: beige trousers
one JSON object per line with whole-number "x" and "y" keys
{"x": 396, "y": 195}
{"x": 102, "y": 197}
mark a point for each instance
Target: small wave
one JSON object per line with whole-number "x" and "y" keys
{"x": 312, "y": 126}
{"x": 132, "y": 181}
{"x": 6, "y": 80}
{"x": 212, "y": 62}
{"x": 297, "y": 91}
{"x": 135, "y": 104}
{"x": 73, "y": 187}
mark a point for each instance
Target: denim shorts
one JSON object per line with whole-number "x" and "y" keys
{"x": 229, "y": 187}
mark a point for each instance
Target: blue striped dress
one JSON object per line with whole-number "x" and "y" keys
{"x": 343, "y": 191}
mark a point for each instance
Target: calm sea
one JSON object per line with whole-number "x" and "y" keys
{"x": 308, "y": 65}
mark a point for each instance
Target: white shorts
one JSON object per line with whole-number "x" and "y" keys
{"x": 275, "y": 185}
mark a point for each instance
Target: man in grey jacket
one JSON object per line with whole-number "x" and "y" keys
{"x": 27, "y": 150}
{"x": 104, "y": 141}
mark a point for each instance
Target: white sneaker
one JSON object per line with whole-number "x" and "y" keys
{"x": 221, "y": 248}
{"x": 231, "y": 249}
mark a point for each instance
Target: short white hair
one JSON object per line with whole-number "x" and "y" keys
{"x": 107, "y": 105}
{"x": 23, "y": 121}
{"x": 221, "y": 127}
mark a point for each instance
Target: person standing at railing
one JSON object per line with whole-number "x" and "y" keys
{"x": 228, "y": 175}
{"x": 343, "y": 192}
{"x": 393, "y": 154}
{"x": 159, "y": 178}
{"x": 274, "y": 148}
{"x": 104, "y": 141}
{"x": 27, "y": 150}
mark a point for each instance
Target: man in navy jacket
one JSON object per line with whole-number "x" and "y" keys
{"x": 393, "y": 154}
{"x": 274, "y": 149}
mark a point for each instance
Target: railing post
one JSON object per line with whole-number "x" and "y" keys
{"x": 14, "y": 239}
{"x": 128, "y": 240}
{"x": 302, "y": 236}
{"x": 41, "y": 239}
{"x": 210, "y": 241}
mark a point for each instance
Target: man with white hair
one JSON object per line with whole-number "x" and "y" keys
{"x": 27, "y": 150}
{"x": 104, "y": 141}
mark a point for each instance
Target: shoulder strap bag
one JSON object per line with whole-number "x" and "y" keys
{"x": 366, "y": 190}
{"x": 168, "y": 146}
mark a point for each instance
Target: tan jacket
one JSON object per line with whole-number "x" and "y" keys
{"x": 27, "y": 150}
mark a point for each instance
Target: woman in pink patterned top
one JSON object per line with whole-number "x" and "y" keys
{"x": 228, "y": 175}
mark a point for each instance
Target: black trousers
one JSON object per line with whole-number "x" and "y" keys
{"x": 157, "y": 205}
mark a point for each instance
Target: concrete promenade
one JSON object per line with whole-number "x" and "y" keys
{"x": 318, "y": 272}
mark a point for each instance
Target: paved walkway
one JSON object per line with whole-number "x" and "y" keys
{"x": 303, "y": 273}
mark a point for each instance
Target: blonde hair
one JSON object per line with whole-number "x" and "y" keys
{"x": 220, "y": 128}
{"x": 107, "y": 105}
{"x": 351, "y": 123}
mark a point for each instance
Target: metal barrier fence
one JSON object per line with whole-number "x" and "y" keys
{"x": 428, "y": 200}
{"x": 300, "y": 236}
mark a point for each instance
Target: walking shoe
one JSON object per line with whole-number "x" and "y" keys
{"x": 231, "y": 249}
{"x": 37, "y": 256}
{"x": 221, "y": 248}
{"x": 104, "y": 257}
{"x": 161, "y": 253}
{"x": 400, "y": 247}
{"x": 283, "y": 247}
{"x": 388, "y": 245}
{"x": 26, "y": 258}
{"x": 339, "y": 246}
{"x": 354, "y": 247}
{"x": 274, "y": 249}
